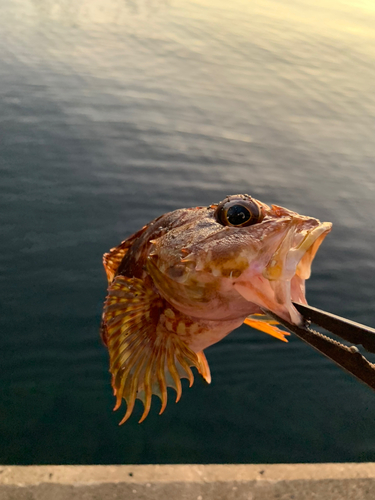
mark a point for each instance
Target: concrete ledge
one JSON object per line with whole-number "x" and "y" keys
{"x": 189, "y": 482}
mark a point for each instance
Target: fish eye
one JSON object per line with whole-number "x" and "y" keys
{"x": 238, "y": 213}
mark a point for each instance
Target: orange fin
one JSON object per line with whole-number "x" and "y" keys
{"x": 266, "y": 324}
{"x": 113, "y": 258}
{"x": 203, "y": 367}
{"x": 145, "y": 358}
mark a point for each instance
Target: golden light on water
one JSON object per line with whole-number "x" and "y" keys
{"x": 352, "y": 15}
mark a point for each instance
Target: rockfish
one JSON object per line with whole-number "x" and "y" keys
{"x": 188, "y": 278}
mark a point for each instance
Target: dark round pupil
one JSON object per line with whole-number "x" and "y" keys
{"x": 237, "y": 214}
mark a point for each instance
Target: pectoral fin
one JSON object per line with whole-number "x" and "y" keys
{"x": 266, "y": 324}
{"x": 145, "y": 358}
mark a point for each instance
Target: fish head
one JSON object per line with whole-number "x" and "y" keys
{"x": 235, "y": 258}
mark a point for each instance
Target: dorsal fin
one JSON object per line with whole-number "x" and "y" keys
{"x": 145, "y": 358}
{"x": 113, "y": 258}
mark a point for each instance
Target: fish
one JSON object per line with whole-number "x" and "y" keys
{"x": 188, "y": 278}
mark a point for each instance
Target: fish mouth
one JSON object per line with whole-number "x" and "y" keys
{"x": 296, "y": 253}
{"x": 283, "y": 278}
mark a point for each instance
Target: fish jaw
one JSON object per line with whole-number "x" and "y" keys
{"x": 291, "y": 259}
{"x": 282, "y": 281}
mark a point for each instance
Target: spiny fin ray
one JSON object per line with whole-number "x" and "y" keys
{"x": 145, "y": 358}
{"x": 204, "y": 368}
{"x": 266, "y": 324}
{"x": 113, "y": 258}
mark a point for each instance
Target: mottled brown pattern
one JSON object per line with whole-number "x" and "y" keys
{"x": 188, "y": 278}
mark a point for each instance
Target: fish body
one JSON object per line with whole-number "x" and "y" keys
{"x": 190, "y": 277}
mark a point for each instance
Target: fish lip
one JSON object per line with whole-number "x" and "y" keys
{"x": 290, "y": 259}
{"x": 297, "y": 268}
{"x": 282, "y": 281}
{"x": 311, "y": 245}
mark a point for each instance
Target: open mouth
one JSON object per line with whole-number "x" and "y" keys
{"x": 283, "y": 279}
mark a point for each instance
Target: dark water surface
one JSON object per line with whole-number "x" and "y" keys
{"x": 113, "y": 112}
